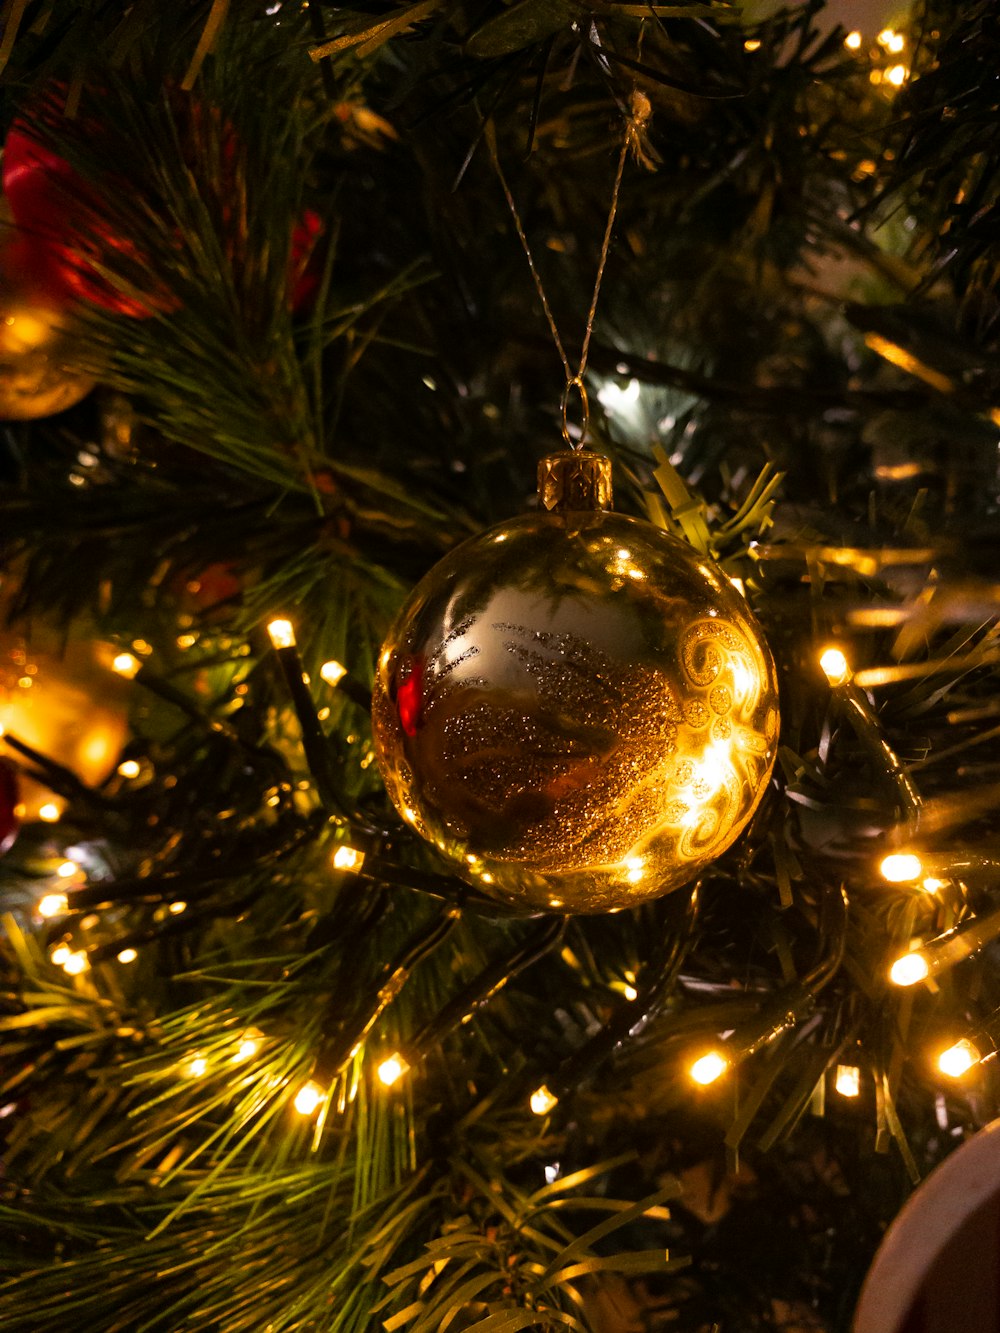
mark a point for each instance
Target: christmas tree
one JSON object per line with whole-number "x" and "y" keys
{"x": 565, "y": 987}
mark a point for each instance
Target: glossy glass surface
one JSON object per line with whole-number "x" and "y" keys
{"x": 577, "y": 710}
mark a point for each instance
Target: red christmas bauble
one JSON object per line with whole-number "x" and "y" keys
{"x": 55, "y": 210}
{"x": 64, "y": 220}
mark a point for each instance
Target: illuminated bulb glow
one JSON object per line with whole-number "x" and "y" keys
{"x": 248, "y": 1048}
{"x": 126, "y": 664}
{"x": 49, "y": 812}
{"x": 74, "y": 963}
{"x": 60, "y": 953}
{"x": 196, "y": 1067}
{"x": 834, "y": 666}
{"x": 895, "y": 43}
{"x": 128, "y": 956}
{"x": 348, "y": 858}
{"x": 542, "y": 1101}
{"x": 848, "y": 1080}
{"x": 390, "y": 1071}
{"x": 630, "y": 993}
{"x": 959, "y": 1059}
{"x": 177, "y": 908}
{"x": 129, "y": 768}
{"x": 751, "y": 44}
{"x": 53, "y": 904}
{"x": 614, "y": 398}
{"x": 896, "y": 75}
{"x": 852, "y": 41}
{"x": 333, "y": 673}
{"x": 901, "y": 867}
{"x": 931, "y": 885}
{"x": 308, "y": 1098}
{"x": 282, "y": 635}
{"x": 67, "y": 869}
{"x": 909, "y": 969}
{"x": 633, "y": 865}
{"x": 707, "y": 1068}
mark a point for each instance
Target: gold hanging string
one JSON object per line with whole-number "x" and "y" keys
{"x": 639, "y": 114}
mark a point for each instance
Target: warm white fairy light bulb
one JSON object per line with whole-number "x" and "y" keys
{"x": 53, "y": 904}
{"x": 49, "y": 812}
{"x": 308, "y": 1098}
{"x": 909, "y": 969}
{"x": 249, "y": 1046}
{"x": 847, "y": 1080}
{"x": 75, "y": 962}
{"x": 348, "y": 858}
{"x": 128, "y": 955}
{"x": 126, "y": 664}
{"x": 129, "y": 768}
{"x": 542, "y": 1101}
{"x": 835, "y": 666}
{"x": 333, "y": 673}
{"x": 709, "y": 1067}
{"x": 901, "y": 867}
{"x": 392, "y": 1069}
{"x": 281, "y": 633}
{"x": 67, "y": 869}
{"x": 196, "y": 1066}
{"x": 959, "y": 1058}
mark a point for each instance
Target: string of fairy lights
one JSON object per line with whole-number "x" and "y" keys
{"x": 908, "y": 868}
{"x": 888, "y": 68}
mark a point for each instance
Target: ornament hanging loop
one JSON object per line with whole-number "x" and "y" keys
{"x": 636, "y": 119}
{"x": 576, "y": 383}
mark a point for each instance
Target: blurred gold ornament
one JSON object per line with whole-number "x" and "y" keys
{"x": 576, "y": 709}
{"x": 36, "y": 355}
{"x": 65, "y": 702}
{"x": 37, "y": 339}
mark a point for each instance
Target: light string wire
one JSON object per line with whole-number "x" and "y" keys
{"x": 633, "y": 131}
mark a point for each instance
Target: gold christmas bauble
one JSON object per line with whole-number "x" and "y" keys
{"x": 577, "y": 710}
{"x": 64, "y": 700}
{"x": 37, "y": 340}
{"x": 37, "y": 378}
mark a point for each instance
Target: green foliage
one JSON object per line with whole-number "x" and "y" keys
{"x": 802, "y": 291}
